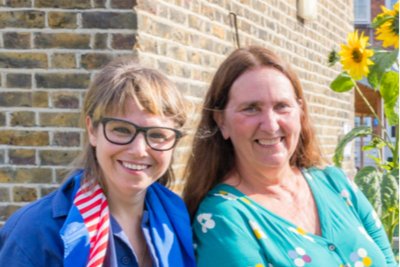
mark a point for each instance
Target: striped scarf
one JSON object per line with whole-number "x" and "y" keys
{"x": 86, "y": 229}
{"x": 92, "y": 205}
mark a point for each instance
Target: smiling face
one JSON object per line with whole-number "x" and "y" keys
{"x": 133, "y": 167}
{"x": 262, "y": 119}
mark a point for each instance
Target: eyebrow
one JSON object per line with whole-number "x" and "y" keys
{"x": 251, "y": 102}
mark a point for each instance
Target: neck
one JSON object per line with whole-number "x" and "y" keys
{"x": 269, "y": 181}
{"x": 124, "y": 208}
{"x": 128, "y": 212}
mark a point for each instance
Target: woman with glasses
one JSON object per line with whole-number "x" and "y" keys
{"x": 114, "y": 209}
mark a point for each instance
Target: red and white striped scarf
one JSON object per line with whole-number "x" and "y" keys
{"x": 92, "y": 205}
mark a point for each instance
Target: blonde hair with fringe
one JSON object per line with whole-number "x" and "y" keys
{"x": 119, "y": 81}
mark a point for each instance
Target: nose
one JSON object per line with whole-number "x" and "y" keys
{"x": 138, "y": 145}
{"x": 269, "y": 122}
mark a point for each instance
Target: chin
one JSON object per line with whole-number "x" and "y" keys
{"x": 273, "y": 163}
{"x": 135, "y": 184}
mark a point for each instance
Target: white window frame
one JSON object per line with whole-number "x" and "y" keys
{"x": 367, "y": 18}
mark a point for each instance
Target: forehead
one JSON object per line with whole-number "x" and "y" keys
{"x": 264, "y": 83}
{"x": 133, "y": 111}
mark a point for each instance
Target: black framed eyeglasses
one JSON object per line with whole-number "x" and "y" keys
{"x": 122, "y": 132}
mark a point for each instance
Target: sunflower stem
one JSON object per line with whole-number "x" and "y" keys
{"x": 396, "y": 148}
{"x": 372, "y": 111}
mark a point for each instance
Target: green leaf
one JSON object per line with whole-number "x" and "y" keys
{"x": 377, "y": 160}
{"x": 368, "y": 180}
{"x": 389, "y": 165}
{"x": 390, "y": 93}
{"x": 383, "y": 61}
{"x": 379, "y": 20}
{"x": 376, "y": 143}
{"x": 354, "y": 133}
{"x": 390, "y": 189}
{"x": 342, "y": 83}
{"x": 368, "y": 147}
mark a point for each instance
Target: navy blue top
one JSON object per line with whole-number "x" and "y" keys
{"x": 120, "y": 252}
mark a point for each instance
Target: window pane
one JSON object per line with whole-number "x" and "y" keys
{"x": 362, "y": 11}
{"x": 390, "y": 3}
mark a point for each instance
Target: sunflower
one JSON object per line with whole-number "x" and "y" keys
{"x": 388, "y": 32}
{"x": 354, "y": 56}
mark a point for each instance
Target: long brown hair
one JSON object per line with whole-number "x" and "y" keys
{"x": 120, "y": 80}
{"x": 212, "y": 156}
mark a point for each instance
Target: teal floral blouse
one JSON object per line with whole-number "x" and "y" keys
{"x": 230, "y": 229}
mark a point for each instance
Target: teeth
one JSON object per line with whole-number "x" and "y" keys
{"x": 134, "y": 166}
{"x": 268, "y": 142}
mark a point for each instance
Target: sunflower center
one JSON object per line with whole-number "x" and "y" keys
{"x": 357, "y": 55}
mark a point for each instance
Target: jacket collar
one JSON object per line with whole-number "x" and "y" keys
{"x": 64, "y": 196}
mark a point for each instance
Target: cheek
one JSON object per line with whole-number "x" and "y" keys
{"x": 295, "y": 128}
{"x": 242, "y": 126}
{"x": 163, "y": 163}
{"x": 291, "y": 126}
{"x": 168, "y": 159}
{"x": 164, "y": 159}
{"x": 105, "y": 150}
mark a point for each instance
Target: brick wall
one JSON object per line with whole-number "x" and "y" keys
{"x": 188, "y": 40}
{"x": 50, "y": 49}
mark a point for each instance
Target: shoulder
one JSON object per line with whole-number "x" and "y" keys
{"x": 30, "y": 231}
{"x": 34, "y": 228}
{"x": 335, "y": 180}
{"x": 223, "y": 223}
{"x": 226, "y": 205}
{"x": 30, "y": 216}
{"x": 328, "y": 171}
{"x": 164, "y": 192}
{"x": 331, "y": 175}
{"x": 221, "y": 199}
{"x": 158, "y": 195}
{"x": 42, "y": 213}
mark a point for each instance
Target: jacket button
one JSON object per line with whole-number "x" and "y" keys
{"x": 126, "y": 260}
{"x": 331, "y": 247}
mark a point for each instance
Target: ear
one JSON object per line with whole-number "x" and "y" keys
{"x": 92, "y": 133}
{"x": 219, "y": 119}
{"x": 300, "y": 103}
